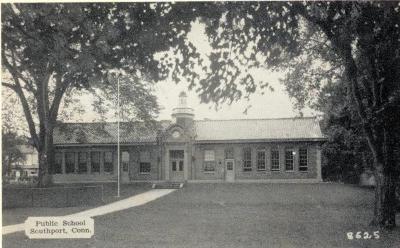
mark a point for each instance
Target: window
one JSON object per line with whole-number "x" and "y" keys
{"x": 176, "y": 159}
{"x": 209, "y": 155}
{"x": 261, "y": 161}
{"x": 108, "y": 162}
{"x": 82, "y": 162}
{"x": 144, "y": 168}
{"x": 247, "y": 159}
{"x": 95, "y": 161}
{"x": 229, "y": 154}
{"x": 145, "y": 165}
{"x": 209, "y": 160}
{"x": 69, "y": 162}
{"x": 275, "y": 160}
{"x": 303, "y": 159}
{"x": 181, "y": 165}
{"x": 57, "y": 169}
{"x": 289, "y": 160}
{"x": 125, "y": 161}
{"x": 176, "y": 154}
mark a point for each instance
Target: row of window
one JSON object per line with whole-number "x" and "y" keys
{"x": 261, "y": 159}
{"x": 95, "y": 157}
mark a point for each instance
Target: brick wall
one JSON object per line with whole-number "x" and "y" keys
{"x": 219, "y": 173}
{"x": 102, "y": 176}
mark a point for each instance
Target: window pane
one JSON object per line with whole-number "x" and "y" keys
{"x": 229, "y": 153}
{"x": 247, "y": 159}
{"x": 303, "y": 159}
{"x": 209, "y": 166}
{"x": 261, "y": 160}
{"x": 229, "y": 165}
{"x": 144, "y": 156}
{"x": 57, "y": 163}
{"x": 289, "y": 160}
{"x": 69, "y": 162}
{"x": 274, "y": 160}
{"x": 108, "y": 162}
{"x": 82, "y": 162}
{"x": 125, "y": 161}
{"x": 125, "y": 157}
{"x": 175, "y": 154}
{"x": 95, "y": 161}
{"x": 209, "y": 155}
{"x": 144, "y": 167}
{"x": 173, "y": 165}
{"x": 181, "y": 165}
{"x": 125, "y": 166}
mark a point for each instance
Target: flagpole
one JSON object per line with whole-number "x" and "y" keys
{"x": 118, "y": 148}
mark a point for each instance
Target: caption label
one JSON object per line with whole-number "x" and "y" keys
{"x": 59, "y": 227}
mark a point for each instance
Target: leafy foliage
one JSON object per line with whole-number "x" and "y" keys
{"x": 10, "y": 152}
{"x": 51, "y": 49}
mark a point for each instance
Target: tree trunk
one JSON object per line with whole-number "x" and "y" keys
{"x": 385, "y": 199}
{"x": 46, "y": 158}
{"x": 386, "y": 176}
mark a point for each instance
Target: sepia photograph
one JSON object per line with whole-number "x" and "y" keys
{"x": 204, "y": 124}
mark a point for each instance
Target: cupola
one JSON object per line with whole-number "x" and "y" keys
{"x": 182, "y": 114}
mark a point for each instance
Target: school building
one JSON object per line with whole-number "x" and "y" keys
{"x": 187, "y": 150}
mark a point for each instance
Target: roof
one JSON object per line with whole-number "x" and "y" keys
{"x": 259, "y": 129}
{"x": 206, "y": 130}
{"x": 106, "y": 132}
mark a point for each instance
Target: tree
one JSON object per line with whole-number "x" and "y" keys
{"x": 51, "y": 49}
{"x": 11, "y": 153}
{"x": 318, "y": 44}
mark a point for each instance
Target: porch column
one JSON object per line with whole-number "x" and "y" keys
{"x": 296, "y": 159}
{"x": 185, "y": 164}
{"x": 159, "y": 162}
{"x": 115, "y": 162}
{"x": 63, "y": 162}
{"x": 76, "y": 161}
{"x": 166, "y": 166}
{"x": 89, "y": 162}
{"x": 318, "y": 163}
{"x": 282, "y": 166}
{"x": 101, "y": 162}
{"x": 268, "y": 158}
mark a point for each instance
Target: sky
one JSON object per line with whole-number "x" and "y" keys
{"x": 275, "y": 104}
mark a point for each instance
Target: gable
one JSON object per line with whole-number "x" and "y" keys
{"x": 175, "y": 133}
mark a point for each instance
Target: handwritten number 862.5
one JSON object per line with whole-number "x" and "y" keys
{"x": 363, "y": 235}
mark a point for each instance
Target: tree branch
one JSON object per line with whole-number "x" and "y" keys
{"x": 58, "y": 95}
{"x": 25, "y": 106}
{"x": 343, "y": 49}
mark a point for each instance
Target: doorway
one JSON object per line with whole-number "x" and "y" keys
{"x": 176, "y": 165}
{"x": 230, "y": 170}
{"x": 124, "y": 166}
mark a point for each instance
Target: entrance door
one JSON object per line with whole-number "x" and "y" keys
{"x": 230, "y": 170}
{"x": 124, "y": 166}
{"x": 176, "y": 165}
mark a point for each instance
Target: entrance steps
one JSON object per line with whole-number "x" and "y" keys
{"x": 168, "y": 185}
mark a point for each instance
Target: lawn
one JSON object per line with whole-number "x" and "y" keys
{"x": 237, "y": 215}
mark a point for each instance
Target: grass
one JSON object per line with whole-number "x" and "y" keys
{"x": 237, "y": 215}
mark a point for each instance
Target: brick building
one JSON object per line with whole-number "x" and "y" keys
{"x": 184, "y": 149}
